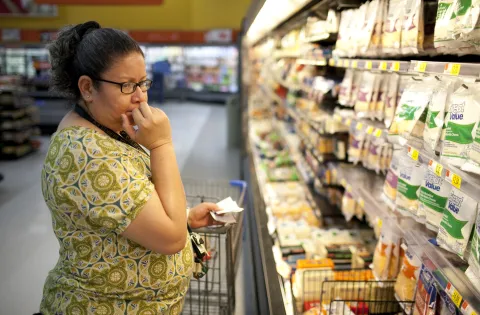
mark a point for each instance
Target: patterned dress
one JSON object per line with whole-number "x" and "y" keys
{"x": 95, "y": 186}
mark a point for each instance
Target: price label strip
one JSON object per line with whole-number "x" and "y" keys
{"x": 382, "y": 66}
{"x": 413, "y": 153}
{"x": 370, "y": 130}
{"x": 435, "y": 167}
{"x": 368, "y": 65}
{"x": 467, "y": 309}
{"x": 395, "y": 66}
{"x": 378, "y": 133}
{"x": 454, "y": 294}
{"x": 355, "y": 64}
{"x": 453, "y": 179}
{"x": 421, "y": 66}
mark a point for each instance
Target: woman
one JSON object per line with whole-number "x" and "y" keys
{"x": 118, "y": 212}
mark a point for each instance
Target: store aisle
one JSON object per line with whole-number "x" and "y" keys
{"x": 28, "y": 247}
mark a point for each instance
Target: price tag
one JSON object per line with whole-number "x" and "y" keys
{"x": 378, "y": 133}
{"x": 436, "y": 167}
{"x": 370, "y": 130}
{"x": 361, "y": 203}
{"x": 413, "y": 153}
{"x": 368, "y": 64}
{"x": 331, "y": 62}
{"x": 348, "y": 122}
{"x": 395, "y": 66}
{"x": 343, "y": 182}
{"x": 455, "y": 68}
{"x": 467, "y": 309}
{"x": 359, "y": 126}
{"x": 339, "y": 63}
{"x": 454, "y": 179}
{"x": 456, "y": 298}
{"x": 421, "y": 66}
{"x": 354, "y": 64}
{"x": 383, "y": 65}
{"x": 346, "y": 63}
{"x": 338, "y": 118}
{"x": 379, "y": 222}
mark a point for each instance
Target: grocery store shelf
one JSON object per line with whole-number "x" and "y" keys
{"x": 279, "y": 54}
{"x": 370, "y": 64}
{"x": 450, "y": 68}
{"x": 324, "y": 38}
{"x": 466, "y": 182}
{"x": 371, "y": 127}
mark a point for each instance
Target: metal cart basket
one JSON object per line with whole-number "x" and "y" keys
{"x": 215, "y": 292}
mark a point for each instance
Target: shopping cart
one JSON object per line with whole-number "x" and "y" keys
{"x": 215, "y": 292}
{"x": 345, "y": 292}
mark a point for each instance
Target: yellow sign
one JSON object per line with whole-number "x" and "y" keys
{"x": 378, "y": 133}
{"x": 361, "y": 203}
{"x": 346, "y": 63}
{"x": 438, "y": 169}
{"x": 421, "y": 66}
{"x": 455, "y": 69}
{"x": 359, "y": 126}
{"x": 395, "y": 66}
{"x": 348, "y": 122}
{"x": 354, "y": 64}
{"x": 331, "y": 62}
{"x": 456, "y": 181}
{"x": 369, "y": 130}
{"x": 368, "y": 65}
{"x": 383, "y": 65}
{"x": 456, "y": 298}
{"x": 413, "y": 153}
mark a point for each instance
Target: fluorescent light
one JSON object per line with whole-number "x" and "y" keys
{"x": 272, "y": 13}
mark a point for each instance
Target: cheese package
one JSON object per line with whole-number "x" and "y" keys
{"x": 383, "y": 265}
{"x": 466, "y": 24}
{"x": 345, "y": 93}
{"x": 412, "y": 31}
{"x": 457, "y": 222}
{"x": 474, "y": 258}
{"x": 365, "y": 35}
{"x": 381, "y": 97}
{"x": 433, "y": 198}
{"x": 409, "y": 181}
{"x": 407, "y": 279}
{"x": 473, "y": 154}
{"x": 348, "y": 205}
{"x": 392, "y": 27}
{"x": 462, "y": 118}
{"x": 374, "y": 49}
{"x": 426, "y": 296}
{"x": 364, "y": 94}
{"x": 391, "y": 181}
{"x": 447, "y": 34}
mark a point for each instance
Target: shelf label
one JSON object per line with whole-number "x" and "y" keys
{"x": 452, "y": 68}
{"x": 361, "y": 203}
{"x": 454, "y": 294}
{"x": 368, "y": 65}
{"x": 413, "y": 153}
{"x": 331, "y": 62}
{"x": 338, "y": 118}
{"x": 453, "y": 179}
{"x": 354, "y": 64}
{"x": 346, "y": 63}
{"x": 343, "y": 182}
{"x": 378, "y": 133}
{"x": 467, "y": 309}
{"x": 436, "y": 167}
{"x": 421, "y": 66}
{"x": 359, "y": 126}
{"x": 395, "y": 66}
{"x": 370, "y": 130}
{"x": 383, "y": 65}
{"x": 379, "y": 223}
{"x": 339, "y": 63}
{"x": 348, "y": 122}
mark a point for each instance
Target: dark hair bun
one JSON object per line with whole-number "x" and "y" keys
{"x": 85, "y": 49}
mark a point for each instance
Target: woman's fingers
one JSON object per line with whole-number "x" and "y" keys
{"x": 128, "y": 126}
{"x": 145, "y": 110}
{"x": 137, "y": 117}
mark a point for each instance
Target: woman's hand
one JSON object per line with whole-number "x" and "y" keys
{"x": 199, "y": 216}
{"x": 153, "y": 126}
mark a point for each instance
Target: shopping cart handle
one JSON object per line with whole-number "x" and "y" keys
{"x": 243, "y": 189}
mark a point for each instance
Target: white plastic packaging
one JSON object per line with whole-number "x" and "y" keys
{"x": 433, "y": 198}
{"x": 409, "y": 182}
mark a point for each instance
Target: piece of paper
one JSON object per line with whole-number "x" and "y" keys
{"x": 227, "y": 218}
{"x": 228, "y": 205}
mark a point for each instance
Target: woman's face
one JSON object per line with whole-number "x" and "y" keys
{"x": 108, "y": 102}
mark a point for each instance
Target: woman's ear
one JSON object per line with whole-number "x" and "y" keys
{"x": 85, "y": 85}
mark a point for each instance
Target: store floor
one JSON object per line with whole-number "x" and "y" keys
{"x": 28, "y": 247}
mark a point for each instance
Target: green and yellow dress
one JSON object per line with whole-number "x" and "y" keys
{"x": 95, "y": 186}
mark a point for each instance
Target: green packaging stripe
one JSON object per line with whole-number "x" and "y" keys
{"x": 461, "y": 134}
{"x": 431, "y": 119}
{"x": 409, "y": 191}
{"x": 432, "y": 200}
{"x": 452, "y": 225}
{"x": 475, "y": 249}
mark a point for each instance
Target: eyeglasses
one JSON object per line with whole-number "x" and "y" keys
{"x": 130, "y": 87}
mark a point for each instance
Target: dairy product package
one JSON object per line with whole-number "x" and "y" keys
{"x": 409, "y": 181}
{"x": 407, "y": 278}
{"x": 412, "y": 31}
{"x": 356, "y": 83}
{"x": 348, "y": 205}
{"x": 392, "y": 28}
{"x": 358, "y": 24}
{"x": 462, "y": 118}
{"x": 436, "y": 112}
{"x": 473, "y": 154}
{"x": 413, "y": 102}
{"x": 392, "y": 97}
{"x": 372, "y": 9}
{"x": 474, "y": 258}
{"x": 433, "y": 198}
{"x": 375, "y": 46}
{"x": 356, "y": 145}
{"x": 346, "y": 86}
{"x": 426, "y": 295}
{"x": 446, "y": 37}
{"x": 365, "y": 93}
{"x": 457, "y": 222}
{"x": 380, "y": 100}
{"x": 391, "y": 181}
{"x": 382, "y": 258}
{"x": 429, "y": 17}
{"x": 466, "y": 24}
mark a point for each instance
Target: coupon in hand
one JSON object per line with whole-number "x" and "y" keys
{"x": 229, "y": 207}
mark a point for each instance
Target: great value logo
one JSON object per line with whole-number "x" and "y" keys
{"x": 433, "y": 182}
{"x": 454, "y": 203}
{"x": 456, "y": 111}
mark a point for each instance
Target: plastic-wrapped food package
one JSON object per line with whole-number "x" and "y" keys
{"x": 365, "y": 92}
{"x": 392, "y": 28}
{"x": 457, "y": 222}
{"x": 466, "y": 24}
{"x": 474, "y": 258}
{"x": 436, "y": 112}
{"x": 386, "y": 157}
{"x": 348, "y": 205}
{"x": 429, "y": 16}
{"x": 407, "y": 278}
{"x": 473, "y": 154}
{"x": 427, "y": 294}
{"x": 407, "y": 122}
{"x": 356, "y": 83}
{"x": 346, "y": 86}
{"x": 396, "y": 84}
{"x": 412, "y": 32}
{"x": 433, "y": 198}
{"x": 462, "y": 119}
{"x": 358, "y": 24}
{"x": 383, "y": 265}
{"x": 409, "y": 181}
{"x": 391, "y": 181}
{"x": 446, "y": 39}
{"x": 371, "y": 18}
{"x": 375, "y": 46}
{"x": 341, "y": 47}
{"x": 380, "y": 100}
{"x": 355, "y": 149}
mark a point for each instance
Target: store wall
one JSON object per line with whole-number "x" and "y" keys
{"x": 182, "y": 15}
